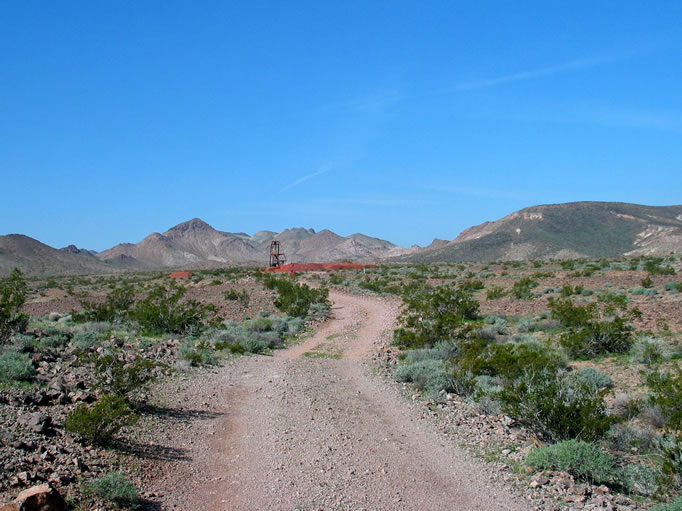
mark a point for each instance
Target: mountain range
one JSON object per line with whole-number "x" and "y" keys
{"x": 565, "y": 231}
{"x": 561, "y": 231}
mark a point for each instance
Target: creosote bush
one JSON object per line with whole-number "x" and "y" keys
{"x": 165, "y": 311}
{"x": 116, "y": 306}
{"x": 434, "y": 314}
{"x": 12, "y": 297}
{"x": 100, "y": 423}
{"x": 587, "y": 335}
{"x": 556, "y": 407}
{"x": 294, "y": 298}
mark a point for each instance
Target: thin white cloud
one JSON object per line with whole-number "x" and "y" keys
{"x": 485, "y": 193}
{"x": 600, "y": 114}
{"x": 536, "y": 73}
{"x": 305, "y": 178}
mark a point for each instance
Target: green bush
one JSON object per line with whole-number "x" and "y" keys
{"x": 638, "y": 479}
{"x": 241, "y": 296}
{"x": 99, "y": 424}
{"x": 557, "y": 408}
{"x": 673, "y": 286}
{"x": 434, "y": 314}
{"x": 54, "y": 341}
{"x": 495, "y": 292}
{"x": 121, "y": 377}
{"x": 598, "y": 337}
{"x": 649, "y": 351}
{"x": 673, "y": 505}
{"x": 626, "y": 437}
{"x": 12, "y": 297}
{"x": 522, "y": 288}
{"x": 115, "y": 487}
{"x": 428, "y": 375}
{"x": 592, "y": 377}
{"x": 296, "y": 299}
{"x": 583, "y": 460}
{"x": 16, "y": 367}
{"x": 509, "y": 361}
{"x": 116, "y": 306}
{"x": 85, "y": 340}
{"x": 164, "y": 311}
{"x": 666, "y": 393}
{"x": 198, "y": 354}
{"x": 653, "y": 267}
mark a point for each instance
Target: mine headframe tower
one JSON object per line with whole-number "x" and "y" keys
{"x": 277, "y": 258}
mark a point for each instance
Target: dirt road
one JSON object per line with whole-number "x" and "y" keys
{"x": 310, "y": 428}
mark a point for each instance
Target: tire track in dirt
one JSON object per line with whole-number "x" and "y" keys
{"x": 322, "y": 433}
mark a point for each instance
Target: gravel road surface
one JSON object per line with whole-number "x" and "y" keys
{"x": 312, "y": 428}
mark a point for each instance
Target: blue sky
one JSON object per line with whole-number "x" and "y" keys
{"x": 402, "y": 120}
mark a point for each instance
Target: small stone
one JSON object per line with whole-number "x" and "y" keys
{"x": 39, "y": 422}
{"x": 602, "y": 490}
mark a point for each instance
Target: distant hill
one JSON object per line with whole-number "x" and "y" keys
{"x": 35, "y": 258}
{"x": 196, "y": 244}
{"x": 577, "y": 229}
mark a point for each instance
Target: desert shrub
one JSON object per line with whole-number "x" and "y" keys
{"x": 592, "y": 377}
{"x": 99, "y": 424}
{"x": 556, "y": 408}
{"x": 509, "y": 361}
{"x": 422, "y": 354}
{"x": 638, "y": 479}
{"x": 653, "y": 267}
{"x": 673, "y": 286}
{"x": 296, "y": 299}
{"x": 434, "y": 314}
{"x": 666, "y": 394}
{"x": 120, "y": 377}
{"x": 335, "y": 279}
{"x": 673, "y": 505}
{"x": 613, "y": 302}
{"x": 100, "y": 327}
{"x": 115, "y": 488}
{"x": 597, "y": 337}
{"x": 570, "y": 315}
{"x": 256, "y": 345}
{"x": 583, "y": 460}
{"x": 12, "y": 297}
{"x": 625, "y": 406}
{"x": 116, "y": 306}
{"x": 652, "y": 415}
{"x": 429, "y": 375}
{"x": 472, "y": 285}
{"x": 164, "y": 311}
{"x": 85, "y": 340}
{"x": 495, "y": 292}
{"x": 626, "y": 437}
{"x": 241, "y": 296}
{"x": 259, "y": 325}
{"x": 54, "y": 341}
{"x": 198, "y": 354}
{"x": 522, "y": 288}
{"x": 568, "y": 290}
{"x": 648, "y": 351}
{"x": 16, "y": 367}
{"x": 670, "y": 448}
{"x": 23, "y": 343}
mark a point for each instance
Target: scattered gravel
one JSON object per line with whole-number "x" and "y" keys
{"x": 299, "y": 432}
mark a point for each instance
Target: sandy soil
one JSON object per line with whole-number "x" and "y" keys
{"x": 311, "y": 428}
